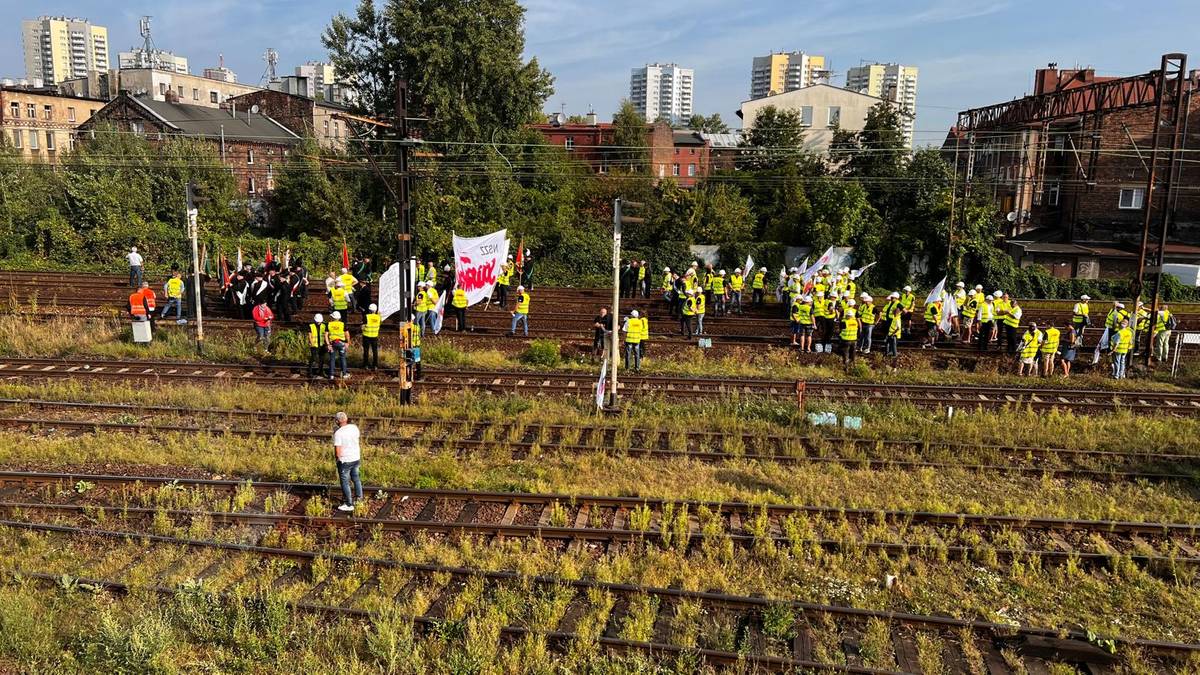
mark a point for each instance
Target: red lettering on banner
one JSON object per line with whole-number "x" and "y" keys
{"x": 476, "y": 277}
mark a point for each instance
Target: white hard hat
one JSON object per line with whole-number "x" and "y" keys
{"x": 666, "y": 269}
{"x": 721, "y": 273}
{"x": 960, "y": 285}
{"x": 845, "y": 294}
{"x": 808, "y": 298}
{"x": 998, "y": 294}
{"x": 446, "y": 268}
{"x": 762, "y": 269}
{"x": 738, "y": 270}
{"x": 520, "y": 288}
{"x": 792, "y": 269}
{"x": 845, "y": 270}
{"x": 1084, "y": 297}
{"x": 988, "y": 298}
{"x": 317, "y": 318}
{"x": 1120, "y": 305}
{"x": 341, "y": 285}
{"x": 336, "y": 315}
{"x": 695, "y": 264}
{"x": 820, "y": 294}
{"x": 344, "y": 270}
{"x": 867, "y": 298}
{"x": 849, "y": 303}
{"x": 634, "y": 314}
{"x": 373, "y": 308}
{"x": 894, "y": 295}
{"x": 979, "y": 287}
{"x": 908, "y": 289}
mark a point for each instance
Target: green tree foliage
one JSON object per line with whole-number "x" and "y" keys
{"x": 713, "y": 124}
{"x": 631, "y": 150}
{"x": 722, "y": 214}
{"x": 774, "y": 141}
{"x": 462, "y": 60}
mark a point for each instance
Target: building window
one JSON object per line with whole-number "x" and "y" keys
{"x": 570, "y": 143}
{"x": 1052, "y": 195}
{"x": 162, "y": 88}
{"x": 181, "y": 91}
{"x": 47, "y": 112}
{"x": 138, "y": 128}
{"x": 674, "y": 169}
{"x": 70, "y": 114}
{"x": 30, "y": 111}
{"x": 835, "y": 116}
{"x": 326, "y": 128}
{"x": 250, "y": 155}
{"x": 1131, "y": 198}
{"x": 337, "y": 130}
{"x": 195, "y": 94}
{"x": 212, "y": 97}
{"x": 16, "y": 110}
{"x": 251, "y": 187}
{"x": 17, "y": 138}
{"x": 806, "y": 116}
{"x": 50, "y": 140}
{"x": 33, "y": 140}
{"x": 691, "y": 170}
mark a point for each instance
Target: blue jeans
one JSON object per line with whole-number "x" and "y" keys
{"x": 633, "y": 351}
{"x": 337, "y": 352}
{"x": 177, "y": 303}
{"x": 348, "y": 471}
{"x": 864, "y": 337}
{"x": 264, "y": 333}
{"x": 699, "y": 324}
{"x": 891, "y": 345}
{"x": 135, "y": 276}
{"x": 1118, "y": 366}
{"x": 519, "y": 318}
{"x": 419, "y": 319}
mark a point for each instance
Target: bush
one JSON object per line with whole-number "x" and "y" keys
{"x": 544, "y": 353}
{"x": 442, "y": 354}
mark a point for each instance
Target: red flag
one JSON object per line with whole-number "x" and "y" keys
{"x": 224, "y": 271}
{"x": 270, "y": 257}
{"x": 521, "y": 253}
{"x": 345, "y": 255}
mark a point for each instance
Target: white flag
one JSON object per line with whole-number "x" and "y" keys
{"x": 1103, "y": 341}
{"x": 749, "y": 268}
{"x": 820, "y": 263}
{"x": 860, "y": 271}
{"x": 439, "y": 312}
{"x": 803, "y": 268}
{"x": 477, "y": 262}
{"x": 601, "y": 384}
{"x": 949, "y": 310}
{"x": 239, "y": 258}
{"x": 936, "y": 293}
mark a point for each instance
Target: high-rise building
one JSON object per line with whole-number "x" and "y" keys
{"x": 319, "y": 76}
{"x": 662, "y": 90}
{"x": 786, "y": 71}
{"x": 892, "y": 82}
{"x": 221, "y": 73}
{"x": 59, "y": 48}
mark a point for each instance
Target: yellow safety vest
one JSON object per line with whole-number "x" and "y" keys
{"x": 757, "y": 284}
{"x": 1080, "y": 311}
{"x": 796, "y": 311}
{"x": 1050, "y": 346}
{"x": 907, "y": 300}
{"x": 932, "y": 312}
{"x": 868, "y": 314}
{"x": 347, "y": 280}
{"x": 666, "y": 284}
{"x": 1143, "y": 320}
{"x": 371, "y": 327}
{"x": 1114, "y": 318}
{"x": 804, "y": 314}
{"x": 174, "y": 288}
{"x": 894, "y": 326}
{"x": 987, "y": 312}
{"x": 689, "y": 305}
{"x": 645, "y": 329}
{"x": 1029, "y": 344}
{"x": 736, "y": 282}
{"x": 504, "y": 276}
{"x": 633, "y": 331}
{"x": 700, "y": 304}
{"x": 431, "y": 299}
{"x": 1013, "y": 318}
{"x": 431, "y": 275}
{"x": 523, "y": 303}
{"x": 1124, "y": 341}
{"x": 850, "y": 328}
{"x": 1160, "y": 323}
{"x": 316, "y": 334}
{"x": 421, "y": 305}
{"x": 718, "y": 285}
{"x": 641, "y": 273}
{"x": 460, "y": 298}
{"x": 337, "y": 331}
{"x": 339, "y": 298}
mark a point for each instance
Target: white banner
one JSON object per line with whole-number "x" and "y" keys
{"x": 949, "y": 311}
{"x": 600, "y": 385}
{"x": 936, "y": 293}
{"x": 477, "y": 262}
{"x": 389, "y": 292}
{"x": 439, "y": 313}
{"x": 820, "y": 263}
{"x": 749, "y": 268}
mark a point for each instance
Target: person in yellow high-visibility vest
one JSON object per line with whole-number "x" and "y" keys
{"x": 502, "y": 281}
{"x": 737, "y": 283}
{"x": 318, "y": 346}
{"x": 459, "y": 301}
{"x": 757, "y": 287}
{"x": 348, "y": 282}
{"x": 633, "y": 337}
{"x": 412, "y": 332}
{"x": 173, "y": 289}
{"x": 1164, "y": 325}
{"x": 1049, "y": 349}
{"x": 718, "y": 293}
{"x": 339, "y": 297}
{"x": 420, "y": 303}
{"x": 1122, "y": 344}
{"x": 339, "y": 344}
{"x": 521, "y": 314}
{"x": 1027, "y": 353}
{"x": 370, "y": 338}
{"x": 849, "y": 334}
{"x": 687, "y": 313}
{"x": 645, "y": 337}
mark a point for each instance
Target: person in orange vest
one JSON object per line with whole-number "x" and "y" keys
{"x": 151, "y": 301}
{"x": 137, "y": 305}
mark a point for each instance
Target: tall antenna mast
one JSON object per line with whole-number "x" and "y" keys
{"x": 272, "y": 59}
{"x": 149, "y": 56}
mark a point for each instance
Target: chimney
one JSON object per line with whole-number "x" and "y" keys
{"x": 233, "y": 109}
{"x": 591, "y": 117}
{"x": 1045, "y": 80}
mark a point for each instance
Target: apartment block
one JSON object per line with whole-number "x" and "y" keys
{"x": 40, "y": 123}
{"x": 782, "y": 72}
{"x": 319, "y": 75}
{"x": 59, "y": 48}
{"x": 891, "y": 82}
{"x": 662, "y": 90}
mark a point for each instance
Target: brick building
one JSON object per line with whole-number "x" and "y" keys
{"x": 252, "y": 145}
{"x": 41, "y": 123}
{"x": 304, "y": 116}
{"x": 673, "y": 154}
{"x": 1068, "y": 167}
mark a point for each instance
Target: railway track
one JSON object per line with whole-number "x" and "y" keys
{"x": 581, "y": 384}
{"x": 716, "y": 629}
{"x": 526, "y": 440}
{"x": 602, "y": 524}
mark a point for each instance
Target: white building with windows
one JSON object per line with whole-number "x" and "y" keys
{"x": 59, "y": 48}
{"x": 822, "y": 109}
{"x": 662, "y": 90}
{"x": 890, "y": 81}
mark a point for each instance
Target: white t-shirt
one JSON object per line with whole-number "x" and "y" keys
{"x": 135, "y": 259}
{"x": 347, "y": 438}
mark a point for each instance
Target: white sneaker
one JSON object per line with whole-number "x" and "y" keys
{"x": 345, "y": 376}
{"x": 345, "y": 507}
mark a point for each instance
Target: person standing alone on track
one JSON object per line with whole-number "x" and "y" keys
{"x": 348, "y": 458}
{"x": 370, "y": 338}
{"x": 262, "y": 323}
{"x": 520, "y": 315}
{"x": 339, "y": 342}
{"x": 318, "y": 345}
{"x": 173, "y": 289}
{"x": 135, "y": 267}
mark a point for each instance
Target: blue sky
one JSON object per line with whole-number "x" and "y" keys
{"x": 970, "y": 52}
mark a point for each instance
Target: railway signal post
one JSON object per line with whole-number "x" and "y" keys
{"x": 619, "y": 219}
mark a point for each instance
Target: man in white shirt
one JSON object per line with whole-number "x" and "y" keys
{"x": 347, "y": 456}
{"x": 135, "y": 268}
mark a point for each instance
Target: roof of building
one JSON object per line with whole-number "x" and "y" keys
{"x": 44, "y": 91}
{"x": 723, "y": 141}
{"x": 688, "y": 137}
{"x": 808, "y": 90}
{"x": 195, "y": 120}
{"x": 318, "y": 101}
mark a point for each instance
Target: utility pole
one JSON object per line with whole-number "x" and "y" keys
{"x": 619, "y": 219}
{"x": 404, "y": 211}
{"x": 950, "y": 268}
{"x": 193, "y": 225}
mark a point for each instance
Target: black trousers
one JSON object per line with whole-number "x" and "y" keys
{"x": 316, "y": 355}
{"x": 985, "y": 334}
{"x": 685, "y": 326}
{"x": 460, "y": 318}
{"x": 503, "y": 299}
{"x": 371, "y": 347}
{"x": 1010, "y": 335}
{"x": 757, "y": 297}
{"x": 849, "y": 349}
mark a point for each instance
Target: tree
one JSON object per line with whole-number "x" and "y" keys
{"x": 630, "y": 147}
{"x": 709, "y": 125}
{"x": 722, "y": 214}
{"x": 776, "y": 139}
{"x": 462, "y": 60}
{"x": 876, "y": 156}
